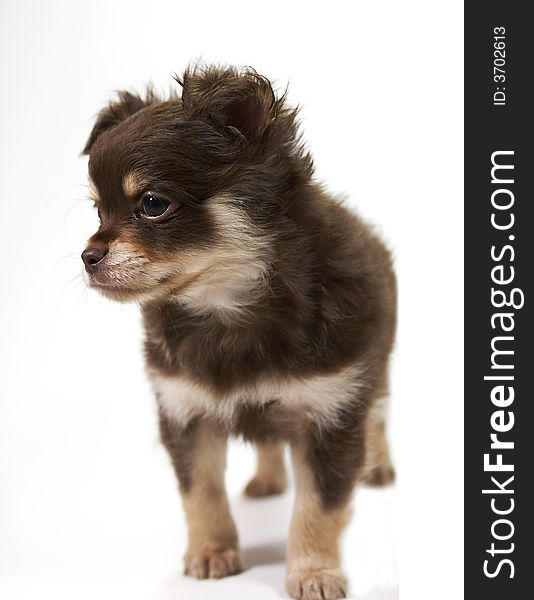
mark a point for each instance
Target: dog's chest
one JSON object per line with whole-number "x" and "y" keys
{"x": 199, "y": 372}
{"x": 262, "y": 407}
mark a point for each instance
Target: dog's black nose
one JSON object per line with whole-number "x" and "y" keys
{"x": 92, "y": 256}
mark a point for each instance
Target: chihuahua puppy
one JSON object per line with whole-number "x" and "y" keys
{"x": 268, "y": 307}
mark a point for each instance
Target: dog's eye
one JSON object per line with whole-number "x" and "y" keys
{"x": 153, "y": 206}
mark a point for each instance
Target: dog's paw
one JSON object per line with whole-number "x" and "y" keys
{"x": 323, "y": 584}
{"x": 212, "y": 564}
{"x": 263, "y": 485}
{"x": 380, "y": 475}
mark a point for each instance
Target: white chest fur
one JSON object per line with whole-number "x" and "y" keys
{"x": 321, "y": 399}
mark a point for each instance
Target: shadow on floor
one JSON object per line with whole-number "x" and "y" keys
{"x": 263, "y": 554}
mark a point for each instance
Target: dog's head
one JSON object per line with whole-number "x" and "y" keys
{"x": 188, "y": 189}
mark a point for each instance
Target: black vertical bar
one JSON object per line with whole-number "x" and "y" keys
{"x": 499, "y": 119}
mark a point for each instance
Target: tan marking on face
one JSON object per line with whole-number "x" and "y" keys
{"x": 133, "y": 183}
{"x": 226, "y": 278}
{"x": 124, "y": 247}
{"x": 128, "y": 275}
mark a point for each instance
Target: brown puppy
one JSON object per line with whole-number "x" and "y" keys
{"x": 269, "y": 308}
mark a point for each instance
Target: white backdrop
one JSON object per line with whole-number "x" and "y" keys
{"x": 88, "y": 501}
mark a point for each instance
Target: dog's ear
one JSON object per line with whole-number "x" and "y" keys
{"x": 117, "y": 111}
{"x": 227, "y": 98}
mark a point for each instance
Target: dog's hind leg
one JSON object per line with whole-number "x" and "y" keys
{"x": 270, "y": 477}
{"x": 379, "y": 468}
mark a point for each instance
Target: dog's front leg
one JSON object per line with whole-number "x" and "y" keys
{"x": 198, "y": 454}
{"x": 327, "y": 463}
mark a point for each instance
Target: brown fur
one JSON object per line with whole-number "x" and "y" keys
{"x": 269, "y": 308}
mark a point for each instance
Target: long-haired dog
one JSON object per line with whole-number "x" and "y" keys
{"x": 269, "y": 308}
